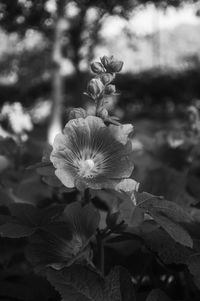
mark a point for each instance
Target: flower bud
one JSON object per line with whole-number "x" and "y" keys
{"x": 107, "y": 78}
{"x": 102, "y": 113}
{"x": 111, "y": 64}
{"x": 110, "y": 89}
{"x": 77, "y": 113}
{"x": 95, "y": 88}
{"x": 115, "y": 66}
{"x": 106, "y": 60}
{"x": 97, "y": 67}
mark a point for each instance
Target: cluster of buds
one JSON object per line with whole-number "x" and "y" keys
{"x": 101, "y": 86}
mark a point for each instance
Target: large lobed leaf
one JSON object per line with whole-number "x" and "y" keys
{"x": 178, "y": 233}
{"x": 193, "y": 263}
{"x": 168, "y": 215}
{"x": 168, "y": 250}
{"x": 82, "y": 283}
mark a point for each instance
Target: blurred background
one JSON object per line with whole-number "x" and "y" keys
{"x": 46, "y": 47}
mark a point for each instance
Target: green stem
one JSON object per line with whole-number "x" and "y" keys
{"x": 102, "y": 258}
{"x": 101, "y": 254}
{"x": 99, "y": 104}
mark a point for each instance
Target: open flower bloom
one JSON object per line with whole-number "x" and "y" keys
{"x": 91, "y": 155}
{"x": 63, "y": 242}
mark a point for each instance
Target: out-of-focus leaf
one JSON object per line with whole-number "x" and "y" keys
{"x": 12, "y": 230}
{"x": 193, "y": 183}
{"x": 31, "y": 189}
{"x": 26, "y": 219}
{"x": 5, "y": 198}
{"x": 47, "y": 170}
{"x": 8, "y": 146}
{"x": 25, "y": 213}
{"x": 169, "y": 183}
{"x": 15, "y": 290}
{"x": 124, "y": 245}
{"x": 193, "y": 263}
{"x": 33, "y": 216}
{"x": 157, "y": 295}
{"x": 4, "y": 163}
{"x": 30, "y": 287}
{"x": 11, "y": 249}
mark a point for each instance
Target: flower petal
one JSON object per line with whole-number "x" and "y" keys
{"x": 120, "y": 163}
{"x": 62, "y": 158}
{"x": 66, "y": 177}
{"x": 84, "y": 125}
{"x": 128, "y": 185}
{"x": 60, "y": 142}
{"x": 121, "y": 132}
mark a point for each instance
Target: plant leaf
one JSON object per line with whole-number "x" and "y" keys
{"x": 193, "y": 263}
{"x": 178, "y": 233}
{"x": 172, "y": 210}
{"x": 168, "y": 250}
{"x": 168, "y": 215}
{"x": 157, "y": 295}
{"x": 77, "y": 283}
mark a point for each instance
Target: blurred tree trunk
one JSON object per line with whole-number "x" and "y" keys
{"x": 77, "y": 28}
{"x": 94, "y": 35}
{"x": 55, "y": 125}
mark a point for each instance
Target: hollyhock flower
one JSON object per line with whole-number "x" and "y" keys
{"x": 91, "y": 155}
{"x": 63, "y": 242}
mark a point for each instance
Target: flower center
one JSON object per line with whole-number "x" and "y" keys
{"x": 86, "y": 167}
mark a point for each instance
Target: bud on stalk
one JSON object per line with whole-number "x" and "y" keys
{"x": 111, "y": 65}
{"x": 95, "y": 88}
{"x": 97, "y": 67}
{"x": 77, "y": 113}
{"x": 115, "y": 66}
{"x": 107, "y": 78}
{"x": 110, "y": 89}
{"x": 102, "y": 113}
